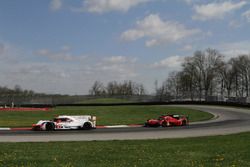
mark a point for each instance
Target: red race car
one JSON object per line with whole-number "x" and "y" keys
{"x": 168, "y": 120}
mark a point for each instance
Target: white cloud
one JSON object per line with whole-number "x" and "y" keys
{"x": 173, "y": 62}
{"x": 40, "y": 77}
{"x": 188, "y": 47}
{"x": 190, "y": 1}
{"x": 235, "y": 24}
{"x": 158, "y": 31}
{"x": 216, "y": 10}
{"x": 120, "y": 59}
{"x": 55, "y": 5}
{"x": 119, "y": 67}
{"x": 10, "y": 53}
{"x": 246, "y": 15}
{"x": 2, "y": 49}
{"x": 102, "y": 6}
{"x": 61, "y": 71}
{"x": 234, "y": 49}
{"x": 66, "y": 48}
{"x": 116, "y": 59}
{"x": 63, "y": 55}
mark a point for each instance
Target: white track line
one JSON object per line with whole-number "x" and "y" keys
{"x": 117, "y": 126}
{"x": 4, "y": 128}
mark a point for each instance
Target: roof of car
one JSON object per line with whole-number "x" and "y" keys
{"x": 74, "y": 116}
{"x": 172, "y": 115}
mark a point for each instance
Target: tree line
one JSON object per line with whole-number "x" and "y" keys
{"x": 204, "y": 75}
{"x": 15, "y": 95}
{"x": 208, "y": 74}
{"x": 17, "y": 90}
{"x": 112, "y": 88}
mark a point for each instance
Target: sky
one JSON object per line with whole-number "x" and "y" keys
{"x": 62, "y": 46}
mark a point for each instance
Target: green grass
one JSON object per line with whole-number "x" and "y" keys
{"x": 106, "y": 115}
{"x": 219, "y": 151}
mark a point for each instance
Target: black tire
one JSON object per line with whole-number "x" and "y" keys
{"x": 50, "y": 126}
{"x": 184, "y": 123}
{"x": 87, "y": 126}
{"x": 165, "y": 124}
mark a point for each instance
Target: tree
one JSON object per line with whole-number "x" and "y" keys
{"x": 18, "y": 89}
{"x": 126, "y": 88}
{"x": 241, "y": 65}
{"x": 112, "y": 88}
{"x": 190, "y": 78}
{"x": 208, "y": 64}
{"x": 97, "y": 89}
{"x": 228, "y": 73}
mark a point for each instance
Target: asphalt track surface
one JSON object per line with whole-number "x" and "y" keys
{"x": 226, "y": 121}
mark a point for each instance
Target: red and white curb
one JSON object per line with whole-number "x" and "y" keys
{"x": 98, "y": 127}
{"x": 22, "y": 109}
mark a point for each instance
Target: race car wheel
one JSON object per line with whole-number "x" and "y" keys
{"x": 87, "y": 125}
{"x": 184, "y": 123}
{"x": 49, "y": 126}
{"x": 165, "y": 124}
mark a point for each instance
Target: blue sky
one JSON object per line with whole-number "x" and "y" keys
{"x": 62, "y": 46}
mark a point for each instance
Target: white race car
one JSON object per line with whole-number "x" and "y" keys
{"x": 66, "y": 122}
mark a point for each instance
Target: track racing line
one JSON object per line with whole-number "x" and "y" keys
{"x": 226, "y": 121}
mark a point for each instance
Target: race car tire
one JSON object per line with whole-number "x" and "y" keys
{"x": 165, "y": 124}
{"x": 87, "y": 125}
{"x": 184, "y": 123}
{"x": 49, "y": 126}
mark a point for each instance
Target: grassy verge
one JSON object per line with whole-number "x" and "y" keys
{"x": 106, "y": 115}
{"x": 219, "y": 151}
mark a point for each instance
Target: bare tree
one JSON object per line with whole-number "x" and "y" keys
{"x": 170, "y": 87}
{"x": 208, "y": 64}
{"x": 191, "y": 78}
{"x": 112, "y": 88}
{"x": 127, "y": 88}
{"x": 97, "y": 89}
{"x": 241, "y": 65}
{"x": 228, "y": 73}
